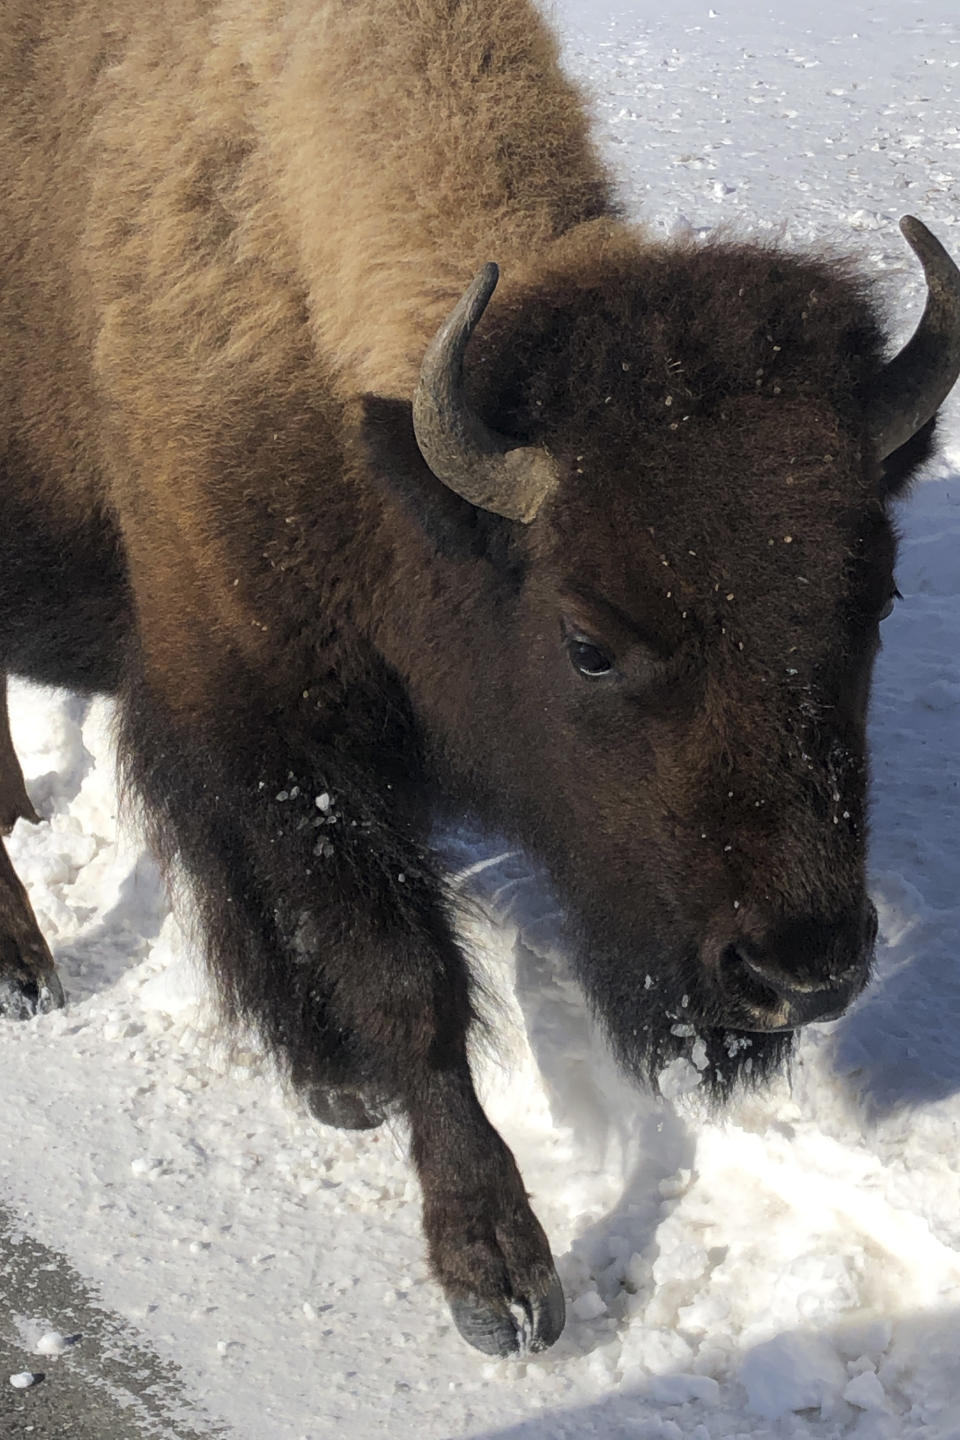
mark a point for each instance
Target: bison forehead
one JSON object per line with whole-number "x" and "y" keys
{"x": 759, "y": 525}
{"x": 657, "y": 334}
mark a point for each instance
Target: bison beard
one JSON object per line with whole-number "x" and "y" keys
{"x": 598, "y": 559}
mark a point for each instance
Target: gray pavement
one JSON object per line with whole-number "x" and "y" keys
{"x": 106, "y": 1386}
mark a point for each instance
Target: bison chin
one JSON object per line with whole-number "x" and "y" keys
{"x": 734, "y": 1015}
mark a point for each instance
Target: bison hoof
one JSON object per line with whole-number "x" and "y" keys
{"x": 23, "y": 999}
{"x": 345, "y": 1108}
{"x": 525, "y": 1326}
{"x": 13, "y": 810}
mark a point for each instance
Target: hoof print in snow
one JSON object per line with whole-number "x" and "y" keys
{"x": 23, "y": 999}
{"x": 524, "y": 1327}
{"x": 344, "y": 1108}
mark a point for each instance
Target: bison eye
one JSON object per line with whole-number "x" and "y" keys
{"x": 588, "y": 658}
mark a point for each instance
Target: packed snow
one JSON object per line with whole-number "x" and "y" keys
{"x": 52, "y": 1343}
{"x": 790, "y": 1269}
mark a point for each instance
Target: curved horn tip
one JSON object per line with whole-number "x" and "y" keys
{"x": 456, "y": 330}
{"x": 491, "y": 273}
{"x": 922, "y": 241}
{"x": 476, "y": 297}
{"x": 485, "y": 468}
{"x": 913, "y": 385}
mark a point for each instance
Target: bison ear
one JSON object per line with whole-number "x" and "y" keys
{"x": 902, "y": 464}
{"x": 456, "y": 529}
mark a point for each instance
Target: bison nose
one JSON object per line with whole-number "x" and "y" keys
{"x": 799, "y": 971}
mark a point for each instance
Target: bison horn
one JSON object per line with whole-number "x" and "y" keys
{"x": 913, "y": 386}
{"x": 488, "y": 469}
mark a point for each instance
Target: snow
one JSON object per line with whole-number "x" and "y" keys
{"x": 23, "y": 1380}
{"x": 866, "y": 1392}
{"x": 790, "y": 1269}
{"x": 52, "y": 1343}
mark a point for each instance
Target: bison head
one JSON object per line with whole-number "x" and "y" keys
{"x": 670, "y": 533}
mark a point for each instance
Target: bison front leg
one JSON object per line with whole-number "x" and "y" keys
{"x": 487, "y": 1248}
{"x": 402, "y": 994}
{"x": 391, "y": 987}
{"x": 409, "y": 1007}
{"x": 326, "y": 928}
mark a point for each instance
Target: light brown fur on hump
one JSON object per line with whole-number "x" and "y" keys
{"x": 228, "y": 170}
{"x": 450, "y": 137}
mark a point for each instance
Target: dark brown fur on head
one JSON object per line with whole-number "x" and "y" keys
{"x": 721, "y": 528}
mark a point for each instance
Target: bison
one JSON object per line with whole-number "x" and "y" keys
{"x": 363, "y": 540}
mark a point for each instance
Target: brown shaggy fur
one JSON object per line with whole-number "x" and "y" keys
{"x": 228, "y": 230}
{"x": 234, "y": 181}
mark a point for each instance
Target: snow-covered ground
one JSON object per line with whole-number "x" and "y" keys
{"x": 789, "y": 1270}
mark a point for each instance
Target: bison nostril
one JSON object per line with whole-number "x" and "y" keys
{"x": 743, "y": 963}
{"x": 803, "y": 957}
{"x": 799, "y": 970}
{"x": 779, "y": 981}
